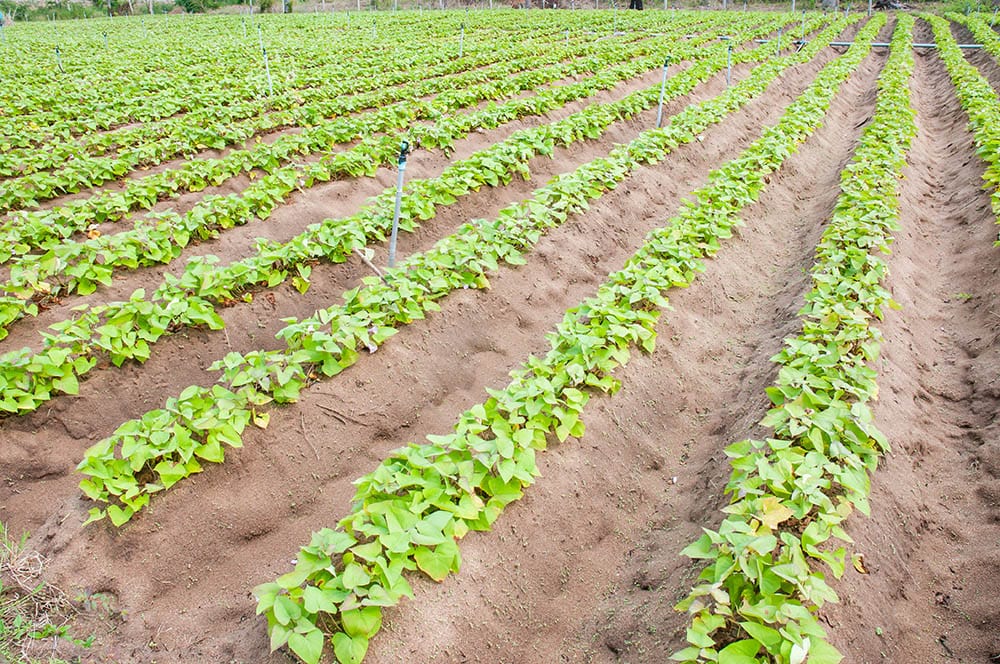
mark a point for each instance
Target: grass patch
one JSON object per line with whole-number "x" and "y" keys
{"x": 34, "y": 615}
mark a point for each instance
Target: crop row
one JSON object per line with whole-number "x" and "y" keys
{"x": 82, "y": 266}
{"x": 977, "y": 96}
{"x": 89, "y": 171}
{"x": 200, "y": 419}
{"x": 409, "y": 513}
{"x": 147, "y": 75}
{"x": 791, "y": 492}
{"x": 126, "y": 330}
{"x": 31, "y": 231}
{"x": 222, "y": 125}
{"x": 186, "y": 135}
{"x": 150, "y": 77}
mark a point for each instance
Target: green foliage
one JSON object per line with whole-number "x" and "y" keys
{"x": 977, "y": 96}
{"x": 125, "y": 330}
{"x": 59, "y": 263}
{"x": 410, "y": 511}
{"x": 332, "y": 339}
{"x": 791, "y": 492}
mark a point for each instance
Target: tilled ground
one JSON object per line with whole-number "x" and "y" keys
{"x": 586, "y": 567}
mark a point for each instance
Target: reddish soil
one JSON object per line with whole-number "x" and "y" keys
{"x": 586, "y": 567}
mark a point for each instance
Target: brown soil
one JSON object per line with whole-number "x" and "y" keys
{"x": 325, "y": 200}
{"x": 585, "y": 567}
{"x": 932, "y": 546}
{"x": 588, "y": 562}
{"x": 267, "y": 137}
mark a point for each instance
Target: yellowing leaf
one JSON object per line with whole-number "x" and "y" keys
{"x": 261, "y": 419}
{"x": 773, "y": 512}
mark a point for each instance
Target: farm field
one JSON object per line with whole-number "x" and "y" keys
{"x": 718, "y": 390}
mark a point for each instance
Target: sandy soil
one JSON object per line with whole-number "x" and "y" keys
{"x": 586, "y": 567}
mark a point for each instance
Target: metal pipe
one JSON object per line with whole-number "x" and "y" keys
{"x": 729, "y": 63}
{"x": 663, "y": 85}
{"x": 267, "y": 66}
{"x": 795, "y": 41}
{"x": 886, "y": 45}
{"x": 404, "y": 150}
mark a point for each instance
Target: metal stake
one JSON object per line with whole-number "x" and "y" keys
{"x": 404, "y": 150}
{"x": 267, "y": 66}
{"x": 729, "y": 63}
{"x": 59, "y": 61}
{"x": 663, "y": 86}
{"x": 992, "y": 22}
{"x": 793, "y": 6}
{"x": 869, "y": 7}
{"x": 461, "y": 42}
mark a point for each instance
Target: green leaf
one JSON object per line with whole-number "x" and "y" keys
{"x": 316, "y": 600}
{"x": 821, "y": 652}
{"x": 362, "y": 622}
{"x": 95, "y": 514}
{"x": 354, "y": 576}
{"x": 291, "y": 579}
{"x": 308, "y": 646}
{"x": 68, "y": 384}
{"x": 437, "y": 563}
{"x": 349, "y": 649}
{"x": 279, "y": 635}
{"x": 740, "y": 652}
{"x": 118, "y": 515}
{"x": 769, "y": 637}
{"x": 700, "y": 549}
{"x": 285, "y": 610}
